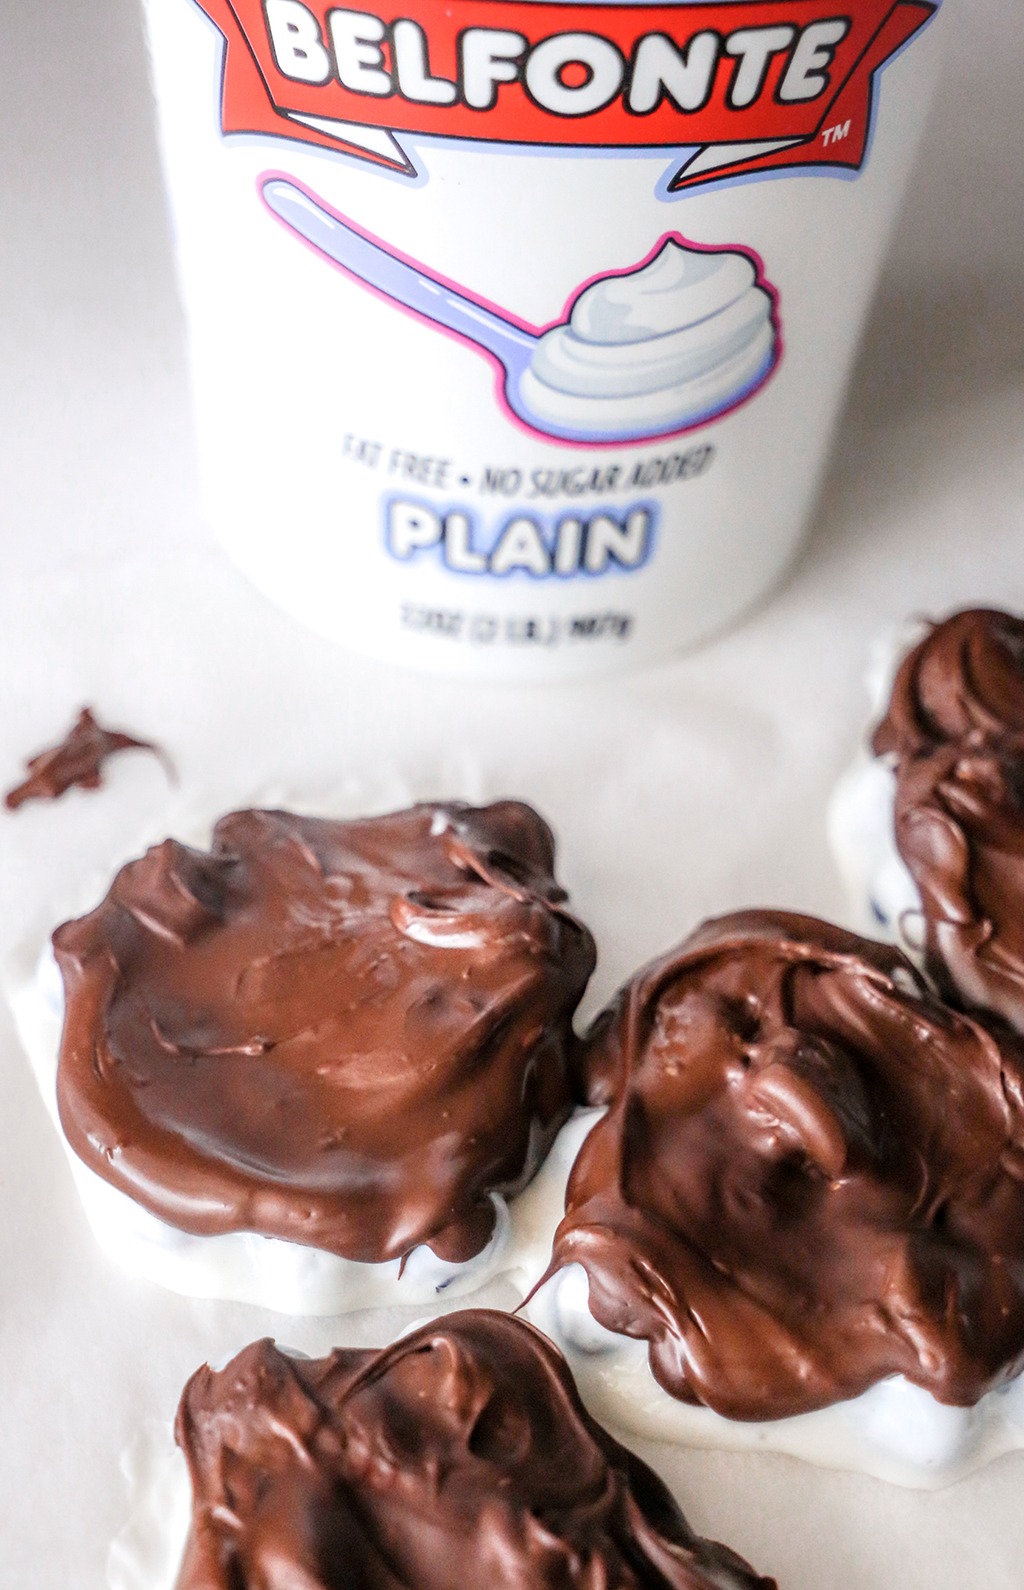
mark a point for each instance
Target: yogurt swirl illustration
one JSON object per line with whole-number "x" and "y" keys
{"x": 659, "y": 348}
{"x": 684, "y": 337}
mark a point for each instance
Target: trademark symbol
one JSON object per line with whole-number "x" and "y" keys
{"x": 835, "y": 135}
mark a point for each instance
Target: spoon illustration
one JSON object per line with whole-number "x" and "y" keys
{"x": 703, "y": 339}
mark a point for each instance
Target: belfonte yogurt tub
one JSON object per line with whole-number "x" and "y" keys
{"x": 519, "y": 330}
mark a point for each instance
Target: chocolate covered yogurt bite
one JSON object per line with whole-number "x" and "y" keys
{"x": 929, "y": 833}
{"x": 807, "y": 1194}
{"x": 461, "y": 1456}
{"x": 311, "y": 1066}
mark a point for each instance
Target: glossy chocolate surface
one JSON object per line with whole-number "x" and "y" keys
{"x": 955, "y": 731}
{"x": 76, "y": 762}
{"x": 459, "y": 1457}
{"x": 810, "y": 1176}
{"x": 346, "y": 1034}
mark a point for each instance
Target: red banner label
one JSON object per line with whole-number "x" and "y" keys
{"x": 745, "y": 86}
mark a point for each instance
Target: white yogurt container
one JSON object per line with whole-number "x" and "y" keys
{"x": 519, "y": 330}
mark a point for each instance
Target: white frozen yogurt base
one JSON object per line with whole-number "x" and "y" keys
{"x": 895, "y": 1432}
{"x": 147, "y": 1553}
{"x": 244, "y": 1267}
{"x": 882, "y": 897}
{"x": 678, "y": 339}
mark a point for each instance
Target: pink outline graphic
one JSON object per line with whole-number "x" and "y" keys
{"x": 501, "y": 325}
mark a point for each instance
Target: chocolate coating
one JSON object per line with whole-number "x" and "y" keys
{"x": 77, "y": 761}
{"x": 955, "y": 731}
{"x": 460, "y": 1456}
{"x": 346, "y": 1034}
{"x": 810, "y": 1176}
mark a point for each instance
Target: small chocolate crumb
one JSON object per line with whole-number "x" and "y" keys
{"x": 77, "y": 760}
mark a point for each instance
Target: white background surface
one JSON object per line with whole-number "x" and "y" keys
{"x": 689, "y": 790}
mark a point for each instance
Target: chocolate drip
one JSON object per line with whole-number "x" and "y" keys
{"x": 77, "y": 760}
{"x": 955, "y": 731}
{"x": 346, "y": 1034}
{"x": 810, "y": 1176}
{"x": 460, "y": 1456}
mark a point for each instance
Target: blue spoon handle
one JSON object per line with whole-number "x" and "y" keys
{"x": 415, "y": 289}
